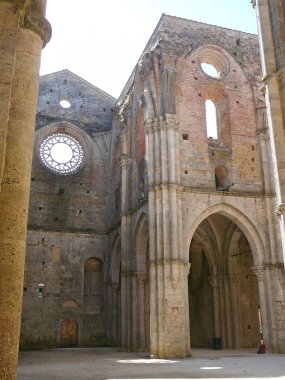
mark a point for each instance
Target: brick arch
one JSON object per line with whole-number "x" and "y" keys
{"x": 69, "y": 304}
{"x": 216, "y": 56}
{"x": 234, "y": 87}
{"x": 240, "y": 219}
{"x": 93, "y": 284}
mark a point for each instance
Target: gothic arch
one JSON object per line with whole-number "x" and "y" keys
{"x": 218, "y": 296}
{"x": 240, "y": 219}
{"x": 141, "y": 243}
{"x": 149, "y": 111}
{"x": 213, "y": 259}
{"x": 115, "y": 261}
{"x": 141, "y": 307}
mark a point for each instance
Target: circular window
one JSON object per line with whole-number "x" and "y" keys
{"x": 213, "y": 61}
{"x": 61, "y": 153}
{"x": 210, "y": 70}
{"x": 65, "y": 103}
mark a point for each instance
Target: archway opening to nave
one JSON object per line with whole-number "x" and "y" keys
{"x": 223, "y": 290}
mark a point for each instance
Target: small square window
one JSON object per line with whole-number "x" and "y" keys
{"x": 185, "y": 136}
{"x": 41, "y": 290}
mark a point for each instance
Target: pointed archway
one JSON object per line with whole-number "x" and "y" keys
{"x": 223, "y": 292}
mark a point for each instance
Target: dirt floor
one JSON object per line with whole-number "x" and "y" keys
{"x": 107, "y": 364}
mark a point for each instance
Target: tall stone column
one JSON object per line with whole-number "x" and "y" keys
{"x": 271, "y": 27}
{"x": 260, "y": 275}
{"x": 214, "y": 281}
{"x": 233, "y": 282}
{"x": 114, "y": 338}
{"x": 126, "y": 278}
{"x": 228, "y": 308}
{"x": 168, "y": 278}
{"x": 141, "y": 280}
{"x": 23, "y": 31}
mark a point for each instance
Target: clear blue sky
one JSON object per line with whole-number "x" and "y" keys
{"x": 101, "y": 41}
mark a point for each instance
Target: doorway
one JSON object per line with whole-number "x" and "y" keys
{"x": 69, "y": 333}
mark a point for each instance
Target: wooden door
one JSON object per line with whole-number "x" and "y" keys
{"x": 69, "y": 333}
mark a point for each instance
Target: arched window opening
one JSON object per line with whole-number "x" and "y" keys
{"x": 93, "y": 282}
{"x": 210, "y": 70}
{"x": 211, "y": 119}
{"x": 221, "y": 177}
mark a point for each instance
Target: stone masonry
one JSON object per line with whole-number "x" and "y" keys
{"x": 152, "y": 230}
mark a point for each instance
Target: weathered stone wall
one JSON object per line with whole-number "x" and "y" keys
{"x": 151, "y": 183}
{"x": 271, "y": 26}
{"x": 69, "y": 215}
{"x": 56, "y": 260}
{"x": 184, "y": 187}
{"x": 23, "y": 33}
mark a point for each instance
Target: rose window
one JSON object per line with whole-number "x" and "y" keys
{"x": 61, "y": 153}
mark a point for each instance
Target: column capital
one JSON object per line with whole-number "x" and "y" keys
{"x": 148, "y": 126}
{"x": 38, "y": 24}
{"x": 125, "y": 162}
{"x": 168, "y": 121}
{"x": 32, "y": 17}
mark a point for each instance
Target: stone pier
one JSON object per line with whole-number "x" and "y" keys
{"x": 23, "y": 32}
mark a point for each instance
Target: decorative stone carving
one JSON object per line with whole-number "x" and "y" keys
{"x": 148, "y": 126}
{"x": 125, "y": 162}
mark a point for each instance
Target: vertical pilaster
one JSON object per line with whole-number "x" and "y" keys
{"x": 259, "y": 272}
{"x": 214, "y": 280}
{"x": 114, "y": 289}
{"x": 141, "y": 280}
{"x": 168, "y": 268}
{"x": 126, "y": 280}
{"x": 228, "y": 306}
{"x": 271, "y": 27}
{"x": 23, "y": 30}
{"x": 235, "y": 310}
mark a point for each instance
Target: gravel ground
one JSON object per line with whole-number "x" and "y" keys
{"x": 107, "y": 364}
